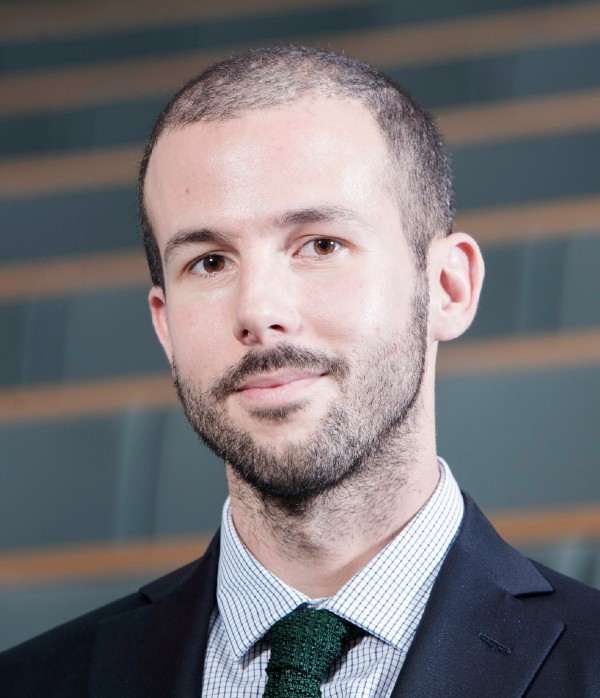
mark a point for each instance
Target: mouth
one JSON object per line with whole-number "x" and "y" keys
{"x": 278, "y": 387}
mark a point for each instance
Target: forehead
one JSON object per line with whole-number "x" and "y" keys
{"x": 315, "y": 150}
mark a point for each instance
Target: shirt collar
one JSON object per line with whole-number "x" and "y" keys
{"x": 249, "y": 597}
{"x": 383, "y": 598}
{"x": 389, "y": 594}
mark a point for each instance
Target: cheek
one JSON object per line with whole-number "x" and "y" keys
{"x": 197, "y": 337}
{"x": 375, "y": 300}
{"x": 348, "y": 308}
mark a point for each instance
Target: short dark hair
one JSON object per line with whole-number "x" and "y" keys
{"x": 269, "y": 77}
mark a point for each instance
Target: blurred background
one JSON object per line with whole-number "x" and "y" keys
{"x": 102, "y": 483}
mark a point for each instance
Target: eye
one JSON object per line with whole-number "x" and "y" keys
{"x": 320, "y": 247}
{"x": 211, "y": 264}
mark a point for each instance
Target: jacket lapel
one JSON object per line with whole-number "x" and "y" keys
{"x": 158, "y": 650}
{"x": 483, "y": 632}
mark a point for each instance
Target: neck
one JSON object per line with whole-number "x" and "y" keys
{"x": 317, "y": 546}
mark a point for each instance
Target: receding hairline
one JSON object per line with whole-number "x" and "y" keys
{"x": 388, "y": 170}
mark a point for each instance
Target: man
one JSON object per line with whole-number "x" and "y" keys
{"x": 297, "y": 217}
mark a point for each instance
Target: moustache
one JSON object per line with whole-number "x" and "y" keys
{"x": 284, "y": 355}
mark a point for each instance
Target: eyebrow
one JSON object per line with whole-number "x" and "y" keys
{"x": 191, "y": 237}
{"x": 303, "y": 216}
{"x": 318, "y": 214}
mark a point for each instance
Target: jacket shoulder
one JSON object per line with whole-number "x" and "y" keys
{"x": 577, "y": 603}
{"x": 573, "y": 666}
{"x": 57, "y": 662}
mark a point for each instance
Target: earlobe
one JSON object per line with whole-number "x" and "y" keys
{"x": 158, "y": 312}
{"x": 457, "y": 277}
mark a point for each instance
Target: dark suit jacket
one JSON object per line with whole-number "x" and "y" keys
{"x": 496, "y": 625}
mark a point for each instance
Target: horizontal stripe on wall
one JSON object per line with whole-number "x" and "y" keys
{"x": 506, "y": 355}
{"x": 531, "y": 353}
{"x": 535, "y": 526}
{"x": 215, "y": 33}
{"x": 567, "y": 113}
{"x": 51, "y": 174}
{"x": 21, "y": 21}
{"x": 473, "y": 36}
{"x": 28, "y": 20}
{"x": 75, "y": 274}
{"x": 97, "y": 561}
{"x": 564, "y": 217}
{"x": 520, "y": 119}
{"x": 432, "y": 41}
{"x": 86, "y": 399}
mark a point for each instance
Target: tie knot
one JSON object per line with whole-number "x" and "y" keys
{"x": 304, "y": 645}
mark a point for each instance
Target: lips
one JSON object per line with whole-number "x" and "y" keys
{"x": 278, "y": 387}
{"x": 277, "y": 379}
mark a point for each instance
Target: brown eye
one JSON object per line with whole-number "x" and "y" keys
{"x": 319, "y": 247}
{"x": 324, "y": 246}
{"x": 213, "y": 263}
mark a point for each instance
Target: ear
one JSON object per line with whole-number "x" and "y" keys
{"x": 158, "y": 311}
{"x": 456, "y": 272}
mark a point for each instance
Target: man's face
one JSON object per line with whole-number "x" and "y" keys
{"x": 294, "y": 318}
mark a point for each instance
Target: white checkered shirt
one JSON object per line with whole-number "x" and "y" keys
{"x": 386, "y": 598}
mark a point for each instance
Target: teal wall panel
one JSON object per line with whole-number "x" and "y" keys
{"x": 135, "y": 488}
{"x": 82, "y": 337}
{"x": 525, "y": 439}
{"x": 139, "y": 473}
{"x": 65, "y": 224}
{"x": 36, "y": 345}
{"x": 110, "y": 329}
{"x": 536, "y": 285}
{"x": 61, "y": 130}
{"x": 580, "y": 298}
{"x": 62, "y": 481}
{"x": 514, "y": 172}
{"x": 191, "y": 485}
{"x": 13, "y": 319}
{"x": 574, "y": 557}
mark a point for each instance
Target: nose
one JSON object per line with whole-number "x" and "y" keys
{"x": 267, "y": 309}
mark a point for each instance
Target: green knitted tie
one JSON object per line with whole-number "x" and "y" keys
{"x": 304, "y": 645}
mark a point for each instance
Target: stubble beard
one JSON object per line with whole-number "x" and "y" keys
{"x": 378, "y": 395}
